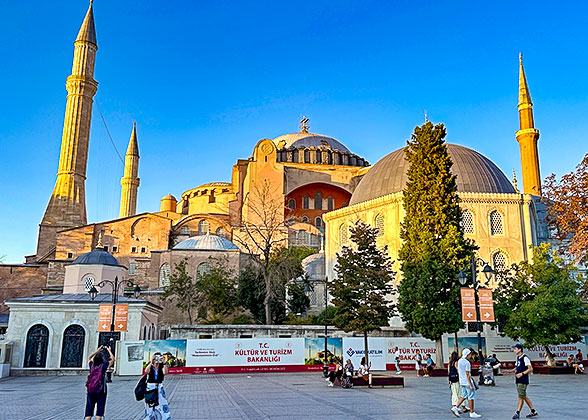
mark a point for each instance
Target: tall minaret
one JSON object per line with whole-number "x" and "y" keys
{"x": 130, "y": 179}
{"x": 67, "y": 205}
{"x": 527, "y": 137}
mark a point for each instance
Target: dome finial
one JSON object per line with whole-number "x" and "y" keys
{"x": 514, "y": 181}
{"x": 304, "y": 126}
{"x": 99, "y": 243}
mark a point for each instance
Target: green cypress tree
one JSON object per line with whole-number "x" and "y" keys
{"x": 434, "y": 249}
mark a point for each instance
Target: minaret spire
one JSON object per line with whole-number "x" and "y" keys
{"x": 527, "y": 137}
{"x": 130, "y": 180}
{"x": 67, "y": 205}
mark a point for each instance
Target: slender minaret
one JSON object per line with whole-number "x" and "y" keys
{"x": 527, "y": 137}
{"x": 130, "y": 180}
{"x": 67, "y": 205}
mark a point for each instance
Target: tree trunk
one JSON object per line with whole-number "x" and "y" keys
{"x": 550, "y": 359}
{"x": 268, "y": 299}
{"x": 439, "y": 353}
{"x": 365, "y": 348}
{"x": 456, "y": 347}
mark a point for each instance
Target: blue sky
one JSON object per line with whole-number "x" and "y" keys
{"x": 206, "y": 80}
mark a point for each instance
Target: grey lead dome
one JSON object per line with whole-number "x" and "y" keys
{"x": 96, "y": 257}
{"x": 207, "y": 242}
{"x": 475, "y": 173}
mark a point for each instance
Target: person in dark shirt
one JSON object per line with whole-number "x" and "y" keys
{"x": 97, "y": 400}
{"x": 522, "y": 369}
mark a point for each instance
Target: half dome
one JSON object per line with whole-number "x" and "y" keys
{"x": 97, "y": 256}
{"x": 300, "y": 140}
{"x": 207, "y": 243}
{"x": 474, "y": 173}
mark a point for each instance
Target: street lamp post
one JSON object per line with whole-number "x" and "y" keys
{"x": 462, "y": 276}
{"x": 325, "y": 362}
{"x": 116, "y": 285}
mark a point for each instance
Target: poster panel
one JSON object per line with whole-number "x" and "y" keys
{"x": 502, "y": 347}
{"x": 250, "y": 354}
{"x": 354, "y": 350}
{"x": 408, "y": 347}
{"x": 467, "y": 343}
{"x": 174, "y": 351}
{"x": 131, "y": 355}
{"x": 314, "y": 350}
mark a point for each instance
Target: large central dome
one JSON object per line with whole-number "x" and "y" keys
{"x": 475, "y": 173}
{"x": 303, "y": 139}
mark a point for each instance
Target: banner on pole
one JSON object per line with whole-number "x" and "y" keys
{"x": 104, "y": 318}
{"x": 468, "y": 305}
{"x": 486, "y": 305}
{"x": 121, "y": 315}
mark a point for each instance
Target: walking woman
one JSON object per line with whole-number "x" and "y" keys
{"x": 454, "y": 383}
{"x": 96, "y": 385}
{"x": 156, "y": 371}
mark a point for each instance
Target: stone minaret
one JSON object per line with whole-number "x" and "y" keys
{"x": 527, "y": 137}
{"x": 67, "y": 205}
{"x": 130, "y": 179}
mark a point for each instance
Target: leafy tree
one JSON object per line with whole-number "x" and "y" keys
{"x": 251, "y": 286}
{"x": 434, "y": 249}
{"x": 182, "y": 290}
{"x": 362, "y": 292}
{"x": 298, "y": 300}
{"x": 567, "y": 210}
{"x": 217, "y": 291}
{"x": 538, "y": 301}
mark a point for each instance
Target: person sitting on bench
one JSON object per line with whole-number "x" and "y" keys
{"x": 364, "y": 372}
{"x": 335, "y": 375}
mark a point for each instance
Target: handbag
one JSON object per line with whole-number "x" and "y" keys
{"x": 152, "y": 396}
{"x": 141, "y": 388}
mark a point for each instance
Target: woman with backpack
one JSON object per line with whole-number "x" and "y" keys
{"x": 96, "y": 385}
{"x": 453, "y": 376}
{"x": 156, "y": 407}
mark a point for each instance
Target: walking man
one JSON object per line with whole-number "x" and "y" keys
{"x": 468, "y": 390}
{"x": 522, "y": 369}
{"x": 397, "y": 360}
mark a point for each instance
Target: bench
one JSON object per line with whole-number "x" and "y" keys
{"x": 379, "y": 380}
{"x": 553, "y": 370}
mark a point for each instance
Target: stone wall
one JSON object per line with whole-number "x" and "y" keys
{"x": 20, "y": 280}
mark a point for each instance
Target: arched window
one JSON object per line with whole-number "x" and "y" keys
{"x": 319, "y": 157}
{"x": 164, "y": 273}
{"x": 185, "y": 230}
{"x": 144, "y": 332}
{"x": 292, "y": 204}
{"x": 305, "y": 202}
{"x": 306, "y": 156}
{"x": 295, "y": 156}
{"x": 343, "y": 234}
{"x": 499, "y": 261}
{"x": 36, "y": 347}
{"x": 379, "y": 224}
{"x": 203, "y": 227}
{"x": 304, "y": 219}
{"x": 330, "y": 203}
{"x": 203, "y": 268}
{"x": 467, "y": 221}
{"x": 318, "y": 222}
{"x": 72, "y": 350}
{"x": 318, "y": 201}
{"x": 496, "y": 226}
{"x": 220, "y": 231}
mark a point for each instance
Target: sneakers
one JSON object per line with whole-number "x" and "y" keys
{"x": 398, "y": 372}
{"x": 331, "y": 384}
{"x": 474, "y": 415}
{"x": 532, "y": 414}
{"x": 516, "y": 416}
{"x": 455, "y": 411}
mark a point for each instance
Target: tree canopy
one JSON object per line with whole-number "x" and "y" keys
{"x": 182, "y": 290}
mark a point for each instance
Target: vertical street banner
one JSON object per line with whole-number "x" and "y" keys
{"x": 104, "y": 318}
{"x": 468, "y": 305}
{"x": 120, "y": 317}
{"x": 486, "y": 305}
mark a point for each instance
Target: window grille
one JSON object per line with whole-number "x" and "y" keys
{"x": 88, "y": 283}
{"x": 467, "y": 221}
{"x": 203, "y": 268}
{"x": 343, "y": 234}
{"x": 379, "y": 222}
{"x": 203, "y": 227}
{"x": 499, "y": 261}
{"x": 164, "y": 273}
{"x": 496, "y": 227}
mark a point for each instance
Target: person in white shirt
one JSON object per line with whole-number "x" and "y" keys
{"x": 364, "y": 372}
{"x": 468, "y": 390}
{"x": 397, "y": 360}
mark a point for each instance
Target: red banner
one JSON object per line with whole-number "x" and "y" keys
{"x": 121, "y": 317}
{"x": 104, "y": 318}
{"x": 486, "y": 305}
{"x": 468, "y": 305}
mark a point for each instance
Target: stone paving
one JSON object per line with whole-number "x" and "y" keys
{"x": 288, "y": 396}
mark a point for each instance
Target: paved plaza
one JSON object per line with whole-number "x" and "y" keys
{"x": 287, "y": 396}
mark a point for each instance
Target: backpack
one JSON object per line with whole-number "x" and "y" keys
{"x": 95, "y": 382}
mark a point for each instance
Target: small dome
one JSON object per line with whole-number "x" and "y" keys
{"x": 96, "y": 257}
{"x": 474, "y": 173}
{"x": 314, "y": 266}
{"x": 300, "y": 140}
{"x": 169, "y": 197}
{"x": 207, "y": 243}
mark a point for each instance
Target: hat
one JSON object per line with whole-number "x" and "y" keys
{"x": 465, "y": 353}
{"x": 518, "y": 346}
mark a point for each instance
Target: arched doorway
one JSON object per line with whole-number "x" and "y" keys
{"x": 36, "y": 348}
{"x": 72, "y": 350}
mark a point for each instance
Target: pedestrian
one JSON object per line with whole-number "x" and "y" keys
{"x": 468, "y": 390}
{"x": 364, "y": 372}
{"x": 156, "y": 371}
{"x": 418, "y": 360}
{"x": 96, "y": 384}
{"x": 522, "y": 369}
{"x": 430, "y": 365}
{"x": 579, "y": 357}
{"x": 397, "y": 360}
{"x": 335, "y": 375}
{"x": 454, "y": 383}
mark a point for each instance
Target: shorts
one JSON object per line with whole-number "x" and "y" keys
{"x": 468, "y": 393}
{"x": 98, "y": 400}
{"x": 522, "y": 390}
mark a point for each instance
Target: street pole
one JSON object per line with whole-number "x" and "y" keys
{"x": 478, "y": 323}
{"x": 325, "y": 362}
